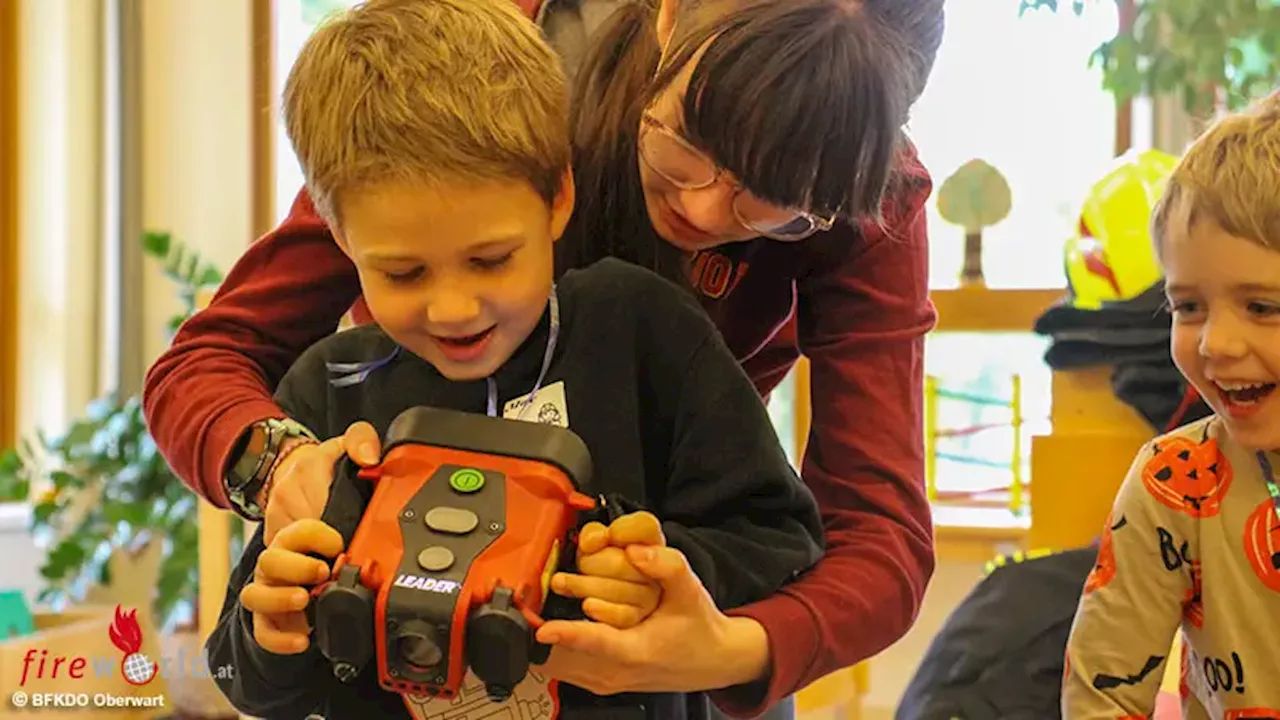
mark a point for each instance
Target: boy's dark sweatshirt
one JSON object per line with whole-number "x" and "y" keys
{"x": 673, "y": 424}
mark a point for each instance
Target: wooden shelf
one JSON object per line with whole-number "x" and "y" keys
{"x": 978, "y": 538}
{"x": 988, "y": 310}
{"x": 1078, "y": 467}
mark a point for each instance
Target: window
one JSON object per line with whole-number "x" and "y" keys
{"x": 60, "y": 113}
{"x": 294, "y": 22}
{"x": 1017, "y": 92}
{"x": 782, "y": 411}
{"x": 970, "y": 408}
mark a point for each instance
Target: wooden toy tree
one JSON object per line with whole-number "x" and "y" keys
{"x": 976, "y": 196}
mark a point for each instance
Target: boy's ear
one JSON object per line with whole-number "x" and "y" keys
{"x": 338, "y": 238}
{"x": 562, "y": 205}
{"x": 666, "y": 22}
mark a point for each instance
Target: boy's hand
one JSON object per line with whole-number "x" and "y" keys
{"x": 299, "y": 484}
{"x": 279, "y": 593}
{"x": 612, "y": 590}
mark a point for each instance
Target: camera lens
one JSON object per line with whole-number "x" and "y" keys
{"x": 417, "y": 644}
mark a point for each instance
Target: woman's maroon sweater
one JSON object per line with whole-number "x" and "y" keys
{"x": 854, "y": 301}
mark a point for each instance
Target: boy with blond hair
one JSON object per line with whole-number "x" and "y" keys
{"x": 433, "y": 138}
{"x": 1193, "y": 541}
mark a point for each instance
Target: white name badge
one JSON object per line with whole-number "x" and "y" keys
{"x": 548, "y": 406}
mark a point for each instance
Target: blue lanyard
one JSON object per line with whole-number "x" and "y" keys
{"x": 1268, "y": 477}
{"x": 348, "y": 374}
{"x": 552, "y": 335}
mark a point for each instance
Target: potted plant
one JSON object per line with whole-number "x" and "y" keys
{"x": 1215, "y": 55}
{"x": 103, "y": 499}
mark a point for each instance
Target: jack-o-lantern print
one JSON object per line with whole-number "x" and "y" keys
{"x": 1104, "y": 568}
{"x": 1262, "y": 544}
{"x": 1193, "y": 604}
{"x": 1188, "y": 476}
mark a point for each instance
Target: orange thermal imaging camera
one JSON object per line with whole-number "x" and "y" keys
{"x": 449, "y": 566}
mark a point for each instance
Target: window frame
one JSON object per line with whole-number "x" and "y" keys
{"x": 9, "y": 227}
{"x": 263, "y": 128}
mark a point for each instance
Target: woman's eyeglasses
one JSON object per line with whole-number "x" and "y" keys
{"x": 681, "y": 164}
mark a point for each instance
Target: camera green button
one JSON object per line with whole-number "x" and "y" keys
{"x": 466, "y": 480}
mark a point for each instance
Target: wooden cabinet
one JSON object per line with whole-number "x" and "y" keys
{"x": 1077, "y": 468}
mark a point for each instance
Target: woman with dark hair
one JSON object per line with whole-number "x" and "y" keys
{"x": 753, "y": 151}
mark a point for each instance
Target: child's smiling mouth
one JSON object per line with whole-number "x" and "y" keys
{"x": 1243, "y": 398}
{"x": 464, "y": 348}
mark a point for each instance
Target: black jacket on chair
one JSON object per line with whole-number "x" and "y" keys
{"x": 999, "y": 656}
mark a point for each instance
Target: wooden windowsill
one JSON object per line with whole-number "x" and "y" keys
{"x": 977, "y": 534}
{"x": 988, "y": 310}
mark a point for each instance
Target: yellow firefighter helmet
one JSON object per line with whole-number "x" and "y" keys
{"x": 1111, "y": 256}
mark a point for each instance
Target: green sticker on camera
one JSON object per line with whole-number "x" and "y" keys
{"x": 466, "y": 480}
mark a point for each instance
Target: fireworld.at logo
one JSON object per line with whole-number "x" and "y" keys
{"x": 134, "y": 666}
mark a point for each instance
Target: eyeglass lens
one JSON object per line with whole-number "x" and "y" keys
{"x": 686, "y": 168}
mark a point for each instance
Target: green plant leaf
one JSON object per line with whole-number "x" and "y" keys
{"x": 42, "y": 513}
{"x": 15, "y": 483}
{"x": 156, "y": 244}
{"x": 108, "y": 449}
{"x": 15, "y": 490}
{"x": 10, "y": 461}
{"x": 64, "y": 558}
{"x": 209, "y": 276}
{"x": 1203, "y": 53}
{"x": 63, "y": 480}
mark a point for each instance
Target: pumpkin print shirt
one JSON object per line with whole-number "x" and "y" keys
{"x": 1192, "y": 546}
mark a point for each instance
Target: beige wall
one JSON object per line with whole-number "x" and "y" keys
{"x": 60, "y": 215}
{"x": 197, "y": 135}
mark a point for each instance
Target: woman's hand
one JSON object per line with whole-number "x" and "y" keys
{"x": 686, "y": 645}
{"x": 298, "y": 488}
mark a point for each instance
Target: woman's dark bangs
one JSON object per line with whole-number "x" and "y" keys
{"x": 803, "y": 104}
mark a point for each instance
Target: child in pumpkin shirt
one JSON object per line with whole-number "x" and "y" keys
{"x": 1192, "y": 544}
